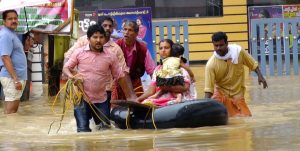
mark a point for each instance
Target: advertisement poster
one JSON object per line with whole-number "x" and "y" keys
{"x": 86, "y": 18}
{"x": 143, "y": 17}
{"x": 46, "y": 17}
{"x": 265, "y": 12}
{"x": 259, "y": 12}
{"x": 291, "y": 11}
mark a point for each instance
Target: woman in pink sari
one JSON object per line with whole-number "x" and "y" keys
{"x": 142, "y": 28}
{"x": 187, "y": 89}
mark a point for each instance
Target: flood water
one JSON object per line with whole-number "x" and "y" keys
{"x": 275, "y": 125}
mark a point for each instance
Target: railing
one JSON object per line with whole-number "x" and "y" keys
{"x": 174, "y": 30}
{"x": 275, "y": 43}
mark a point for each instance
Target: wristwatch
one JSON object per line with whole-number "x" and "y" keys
{"x": 17, "y": 82}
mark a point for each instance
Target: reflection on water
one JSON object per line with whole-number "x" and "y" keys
{"x": 274, "y": 126}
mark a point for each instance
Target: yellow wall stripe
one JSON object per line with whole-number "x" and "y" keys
{"x": 235, "y": 10}
{"x": 207, "y": 37}
{"x": 233, "y": 22}
{"x": 209, "y": 46}
{"x": 218, "y": 20}
{"x": 234, "y": 2}
{"x": 214, "y": 28}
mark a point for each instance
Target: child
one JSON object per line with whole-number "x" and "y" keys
{"x": 178, "y": 52}
{"x": 170, "y": 75}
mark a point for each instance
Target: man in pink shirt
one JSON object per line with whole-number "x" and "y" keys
{"x": 95, "y": 66}
{"x": 138, "y": 59}
{"x": 107, "y": 24}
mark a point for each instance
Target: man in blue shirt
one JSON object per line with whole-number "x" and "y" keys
{"x": 13, "y": 64}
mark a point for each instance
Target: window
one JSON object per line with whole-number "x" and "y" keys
{"x": 160, "y": 8}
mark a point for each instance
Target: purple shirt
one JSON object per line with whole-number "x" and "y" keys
{"x": 96, "y": 69}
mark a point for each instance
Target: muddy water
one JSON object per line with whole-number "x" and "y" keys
{"x": 275, "y": 125}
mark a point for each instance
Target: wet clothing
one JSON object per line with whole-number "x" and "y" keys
{"x": 85, "y": 111}
{"x": 235, "y": 106}
{"x": 117, "y": 92}
{"x": 164, "y": 99}
{"x": 9, "y": 89}
{"x": 139, "y": 60}
{"x": 96, "y": 69}
{"x": 227, "y": 76}
{"x": 109, "y": 46}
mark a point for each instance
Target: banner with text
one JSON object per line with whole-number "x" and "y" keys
{"x": 86, "y": 18}
{"x": 260, "y": 12}
{"x": 291, "y": 11}
{"x": 46, "y": 17}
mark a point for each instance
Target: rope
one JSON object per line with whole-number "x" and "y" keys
{"x": 146, "y": 117}
{"x": 73, "y": 96}
{"x": 153, "y": 122}
{"x": 93, "y": 106}
{"x": 137, "y": 87}
{"x": 128, "y": 118}
{"x": 153, "y": 107}
{"x": 139, "y": 92}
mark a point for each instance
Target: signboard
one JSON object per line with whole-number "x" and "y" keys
{"x": 86, "y": 18}
{"x": 291, "y": 11}
{"x": 13, "y": 4}
{"x": 265, "y": 12}
{"x": 277, "y": 11}
{"x": 260, "y": 12}
{"x": 143, "y": 17}
{"x": 46, "y": 17}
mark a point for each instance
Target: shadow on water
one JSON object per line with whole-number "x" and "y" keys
{"x": 273, "y": 126}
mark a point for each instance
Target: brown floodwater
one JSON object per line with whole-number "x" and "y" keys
{"x": 275, "y": 125}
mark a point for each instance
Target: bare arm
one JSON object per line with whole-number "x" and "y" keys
{"x": 261, "y": 78}
{"x": 188, "y": 69}
{"x": 157, "y": 94}
{"x": 69, "y": 72}
{"x": 208, "y": 94}
{"x": 150, "y": 91}
{"x": 10, "y": 68}
{"x": 175, "y": 88}
{"x": 127, "y": 87}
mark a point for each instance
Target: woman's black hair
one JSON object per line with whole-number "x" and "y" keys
{"x": 265, "y": 13}
{"x": 170, "y": 42}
